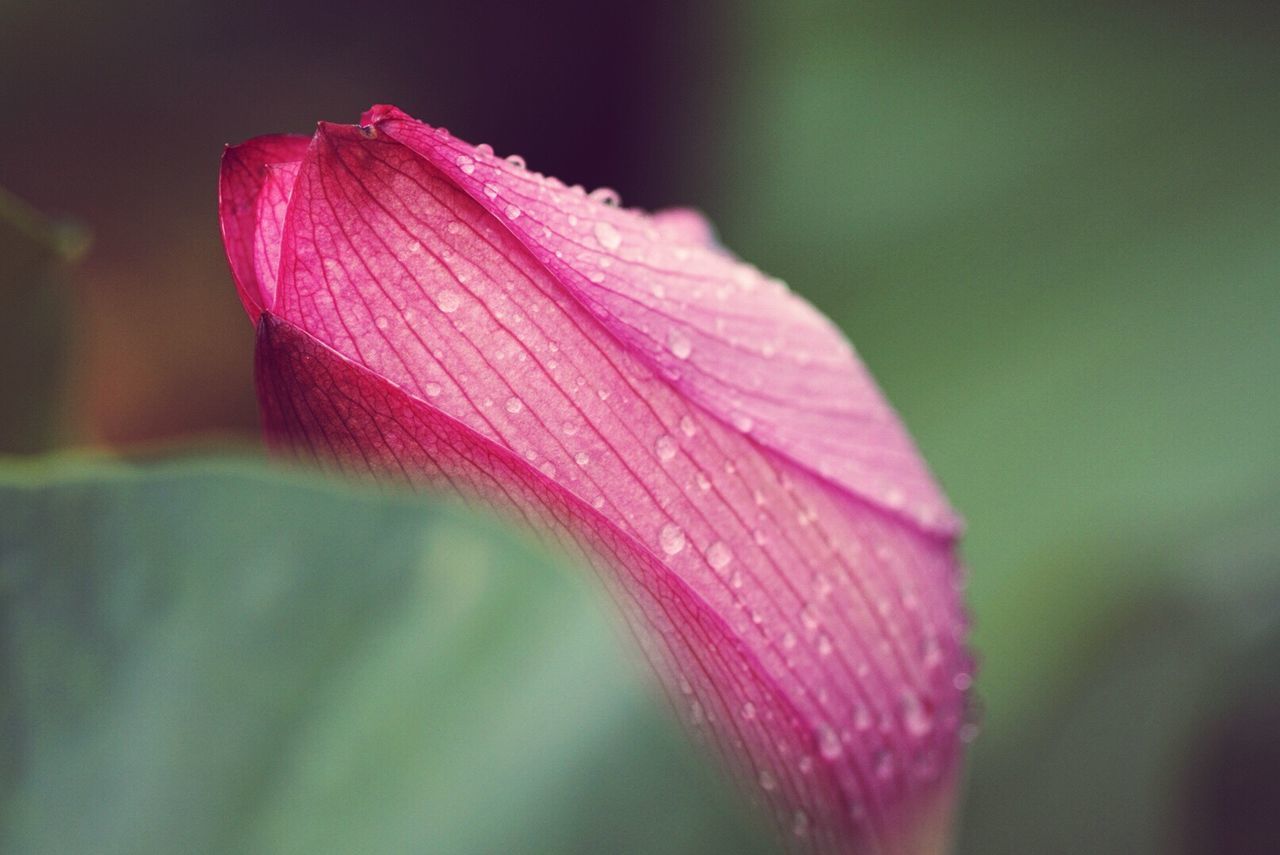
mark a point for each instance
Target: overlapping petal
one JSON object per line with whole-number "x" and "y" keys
{"x": 703, "y": 436}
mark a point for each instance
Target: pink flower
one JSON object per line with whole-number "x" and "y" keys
{"x": 706, "y": 439}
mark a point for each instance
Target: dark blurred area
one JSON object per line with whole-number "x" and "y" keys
{"x": 1052, "y": 232}
{"x": 120, "y": 110}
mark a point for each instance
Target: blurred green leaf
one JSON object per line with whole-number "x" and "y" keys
{"x": 1050, "y": 230}
{"x": 35, "y": 306}
{"x": 1051, "y": 233}
{"x": 210, "y": 657}
{"x": 1167, "y": 743}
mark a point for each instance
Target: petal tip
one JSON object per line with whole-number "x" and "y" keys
{"x": 381, "y": 112}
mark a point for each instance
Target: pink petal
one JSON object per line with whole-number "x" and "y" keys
{"x": 424, "y": 328}
{"x": 729, "y": 337}
{"x": 244, "y": 173}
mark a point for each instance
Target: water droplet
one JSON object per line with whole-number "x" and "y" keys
{"x": 809, "y": 618}
{"x": 719, "y": 555}
{"x": 679, "y": 343}
{"x": 548, "y": 468}
{"x": 821, "y": 586}
{"x": 448, "y": 301}
{"x": 788, "y": 640}
{"x": 806, "y": 764}
{"x": 800, "y": 824}
{"x": 884, "y": 765}
{"x": 748, "y": 711}
{"x": 516, "y": 160}
{"x": 767, "y": 782}
{"x": 829, "y": 743}
{"x": 432, "y": 389}
{"x": 687, "y": 426}
{"x": 466, "y": 164}
{"x": 704, "y": 483}
{"x": 915, "y": 717}
{"x": 381, "y": 323}
{"x": 665, "y": 448}
{"x": 671, "y": 539}
{"x": 484, "y": 150}
{"x": 607, "y": 235}
{"x": 491, "y": 190}
{"x": 824, "y": 645}
{"x": 605, "y": 196}
{"x": 581, "y": 458}
{"x": 931, "y": 652}
{"x": 596, "y": 276}
{"x": 514, "y": 405}
{"x": 862, "y": 718}
{"x": 512, "y": 212}
{"x": 743, "y": 422}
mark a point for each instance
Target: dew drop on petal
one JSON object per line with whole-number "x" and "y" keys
{"x": 767, "y": 782}
{"x": 605, "y": 196}
{"x": 448, "y": 301}
{"x": 809, "y": 617}
{"x": 514, "y": 405}
{"x": 516, "y": 160}
{"x": 800, "y": 824}
{"x": 748, "y": 711}
{"x": 743, "y": 422}
{"x": 687, "y": 426}
{"x": 607, "y": 235}
{"x": 829, "y": 743}
{"x": 466, "y": 164}
{"x": 884, "y": 765}
{"x": 432, "y": 389}
{"x": 581, "y": 458}
{"x": 719, "y": 555}
{"x": 824, "y": 645}
{"x": 665, "y": 448}
{"x": 915, "y": 718}
{"x": 671, "y": 539}
{"x": 512, "y": 212}
{"x": 679, "y": 344}
{"x": 491, "y": 190}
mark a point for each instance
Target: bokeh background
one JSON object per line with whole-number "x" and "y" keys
{"x": 1051, "y": 230}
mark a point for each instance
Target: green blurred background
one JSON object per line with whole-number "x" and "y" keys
{"x": 1050, "y": 230}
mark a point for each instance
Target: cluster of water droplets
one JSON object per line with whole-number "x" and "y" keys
{"x": 911, "y": 713}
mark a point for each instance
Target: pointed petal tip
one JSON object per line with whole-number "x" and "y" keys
{"x": 381, "y": 112}
{"x": 243, "y": 174}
